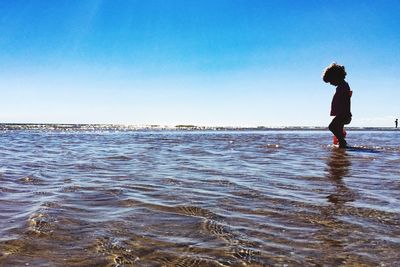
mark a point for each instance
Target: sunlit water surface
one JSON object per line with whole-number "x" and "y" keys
{"x": 272, "y": 198}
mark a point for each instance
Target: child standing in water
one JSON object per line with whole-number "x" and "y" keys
{"x": 340, "y": 107}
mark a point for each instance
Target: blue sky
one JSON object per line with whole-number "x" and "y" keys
{"x": 209, "y": 62}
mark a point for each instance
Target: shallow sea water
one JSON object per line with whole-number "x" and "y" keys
{"x": 168, "y": 198}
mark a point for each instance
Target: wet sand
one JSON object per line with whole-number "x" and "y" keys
{"x": 170, "y": 198}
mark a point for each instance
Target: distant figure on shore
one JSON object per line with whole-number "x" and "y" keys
{"x": 340, "y": 107}
{"x": 396, "y": 122}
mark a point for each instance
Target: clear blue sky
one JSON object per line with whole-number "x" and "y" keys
{"x": 208, "y": 62}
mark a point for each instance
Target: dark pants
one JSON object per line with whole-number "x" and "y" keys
{"x": 336, "y": 127}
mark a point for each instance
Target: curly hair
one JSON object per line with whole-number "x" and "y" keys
{"x": 334, "y": 73}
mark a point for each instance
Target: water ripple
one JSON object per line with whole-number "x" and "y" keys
{"x": 274, "y": 198}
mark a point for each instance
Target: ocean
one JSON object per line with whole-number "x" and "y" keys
{"x": 277, "y": 197}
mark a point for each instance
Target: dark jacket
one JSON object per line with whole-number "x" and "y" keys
{"x": 341, "y": 100}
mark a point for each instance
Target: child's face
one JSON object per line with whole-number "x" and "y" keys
{"x": 335, "y": 82}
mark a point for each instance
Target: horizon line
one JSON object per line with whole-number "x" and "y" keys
{"x": 100, "y": 126}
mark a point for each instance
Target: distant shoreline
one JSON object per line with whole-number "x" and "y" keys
{"x": 119, "y": 127}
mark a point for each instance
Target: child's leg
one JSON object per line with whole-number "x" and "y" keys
{"x": 336, "y": 127}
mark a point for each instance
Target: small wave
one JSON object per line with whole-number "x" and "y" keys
{"x": 43, "y": 193}
{"x": 89, "y": 167}
{"x": 141, "y": 188}
{"x": 272, "y": 146}
{"x": 129, "y": 203}
{"x": 240, "y": 249}
{"x": 70, "y": 189}
{"x": 197, "y": 212}
{"x": 117, "y": 250}
{"x": 41, "y": 223}
{"x": 219, "y": 230}
{"x": 370, "y": 149}
{"x": 193, "y": 211}
{"x": 245, "y": 254}
{"x": 53, "y": 205}
{"x": 30, "y": 179}
{"x": 8, "y": 190}
{"x": 171, "y": 181}
{"x": 118, "y": 158}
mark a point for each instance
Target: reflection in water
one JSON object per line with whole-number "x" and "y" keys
{"x": 338, "y": 168}
{"x": 334, "y": 233}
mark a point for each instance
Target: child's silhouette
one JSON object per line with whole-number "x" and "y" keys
{"x": 340, "y": 108}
